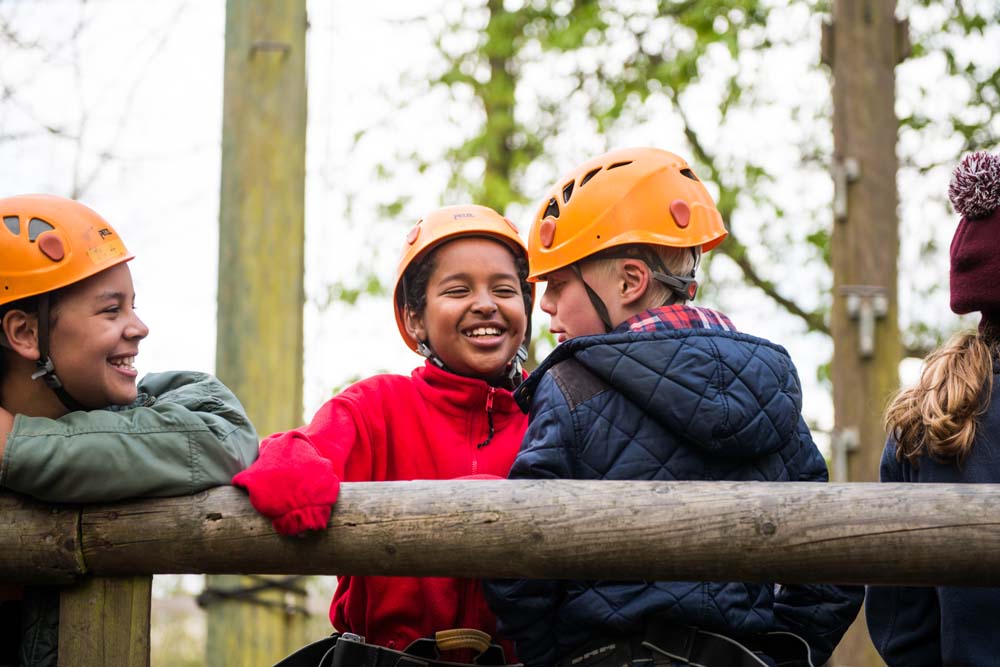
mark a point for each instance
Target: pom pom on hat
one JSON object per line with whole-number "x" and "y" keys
{"x": 975, "y": 186}
{"x": 975, "y": 249}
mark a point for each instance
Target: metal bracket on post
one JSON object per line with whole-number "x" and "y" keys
{"x": 845, "y": 171}
{"x": 904, "y": 48}
{"x": 270, "y": 46}
{"x": 842, "y": 442}
{"x": 866, "y": 303}
{"x": 826, "y": 44}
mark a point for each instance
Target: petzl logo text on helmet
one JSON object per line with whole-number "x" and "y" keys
{"x": 458, "y": 216}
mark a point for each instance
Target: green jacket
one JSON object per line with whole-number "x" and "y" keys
{"x": 186, "y": 432}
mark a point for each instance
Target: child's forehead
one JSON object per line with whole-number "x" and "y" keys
{"x": 114, "y": 282}
{"x": 473, "y": 248}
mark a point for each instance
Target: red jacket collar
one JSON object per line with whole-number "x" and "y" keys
{"x": 459, "y": 393}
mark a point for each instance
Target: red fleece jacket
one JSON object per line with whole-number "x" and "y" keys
{"x": 389, "y": 428}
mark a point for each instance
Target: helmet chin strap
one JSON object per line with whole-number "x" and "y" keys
{"x": 46, "y": 370}
{"x": 595, "y": 300}
{"x": 514, "y": 366}
{"x": 424, "y": 350}
{"x": 682, "y": 289}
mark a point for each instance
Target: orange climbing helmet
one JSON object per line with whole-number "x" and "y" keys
{"x": 48, "y": 242}
{"x": 446, "y": 224}
{"x": 632, "y": 195}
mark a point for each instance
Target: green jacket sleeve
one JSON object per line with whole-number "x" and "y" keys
{"x": 186, "y": 432}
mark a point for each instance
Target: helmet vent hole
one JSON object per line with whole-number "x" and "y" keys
{"x": 567, "y": 192}
{"x": 552, "y": 209}
{"x": 36, "y": 227}
{"x": 689, "y": 174}
{"x": 13, "y": 224}
{"x": 619, "y": 164}
{"x": 590, "y": 175}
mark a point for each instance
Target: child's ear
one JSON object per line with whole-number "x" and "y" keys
{"x": 633, "y": 281}
{"x": 20, "y": 329}
{"x": 414, "y": 325}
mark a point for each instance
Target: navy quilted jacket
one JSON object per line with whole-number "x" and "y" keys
{"x": 690, "y": 404}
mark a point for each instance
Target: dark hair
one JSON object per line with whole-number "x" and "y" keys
{"x": 418, "y": 274}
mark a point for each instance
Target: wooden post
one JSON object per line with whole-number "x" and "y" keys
{"x": 863, "y": 45}
{"x": 105, "y": 622}
{"x": 262, "y": 210}
{"x": 261, "y": 265}
{"x": 271, "y": 611}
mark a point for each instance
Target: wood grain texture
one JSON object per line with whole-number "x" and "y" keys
{"x": 843, "y": 533}
{"x": 39, "y": 544}
{"x": 105, "y": 621}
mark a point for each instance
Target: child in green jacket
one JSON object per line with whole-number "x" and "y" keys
{"x": 74, "y": 426}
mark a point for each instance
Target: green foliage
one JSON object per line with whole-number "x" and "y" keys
{"x": 824, "y": 374}
{"x": 369, "y": 284}
{"x": 535, "y": 76}
{"x": 955, "y": 33}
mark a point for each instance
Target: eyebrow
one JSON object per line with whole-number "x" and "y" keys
{"x": 110, "y": 294}
{"x": 464, "y": 275}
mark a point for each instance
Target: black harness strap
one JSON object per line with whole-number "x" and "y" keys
{"x": 350, "y": 650}
{"x": 663, "y": 642}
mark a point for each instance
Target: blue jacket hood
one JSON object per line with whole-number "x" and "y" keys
{"x": 732, "y": 394}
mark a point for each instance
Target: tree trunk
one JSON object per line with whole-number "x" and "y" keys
{"x": 863, "y": 47}
{"x": 261, "y": 267}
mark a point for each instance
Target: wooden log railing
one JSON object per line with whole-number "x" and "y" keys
{"x": 789, "y": 533}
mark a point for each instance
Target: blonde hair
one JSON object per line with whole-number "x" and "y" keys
{"x": 679, "y": 261}
{"x": 938, "y": 416}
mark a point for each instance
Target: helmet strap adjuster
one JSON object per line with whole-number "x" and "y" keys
{"x": 46, "y": 369}
{"x": 424, "y": 350}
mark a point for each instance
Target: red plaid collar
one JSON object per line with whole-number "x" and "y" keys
{"x": 676, "y": 316}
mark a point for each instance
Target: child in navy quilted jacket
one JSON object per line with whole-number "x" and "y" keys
{"x": 646, "y": 387}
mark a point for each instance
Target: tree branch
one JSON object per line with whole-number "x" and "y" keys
{"x": 733, "y": 247}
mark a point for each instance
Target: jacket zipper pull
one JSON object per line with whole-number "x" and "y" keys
{"x": 489, "y": 417}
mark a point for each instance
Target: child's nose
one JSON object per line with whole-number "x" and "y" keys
{"x": 136, "y": 328}
{"x": 547, "y": 303}
{"x": 484, "y": 302}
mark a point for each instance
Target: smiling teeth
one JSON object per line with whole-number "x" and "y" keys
{"x": 484, "y": 331}
{"x": 125, "y": 362}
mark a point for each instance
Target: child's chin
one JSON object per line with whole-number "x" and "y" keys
{"x": 125, "y": 397}
{"x": 487, "y": 371}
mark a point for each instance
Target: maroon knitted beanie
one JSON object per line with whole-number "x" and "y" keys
{"x": 975, "y": 250}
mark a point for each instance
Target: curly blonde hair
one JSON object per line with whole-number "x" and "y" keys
{"x": 938, "y": 416}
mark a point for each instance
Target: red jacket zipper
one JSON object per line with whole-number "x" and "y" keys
{"x": 489, "y": 434}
